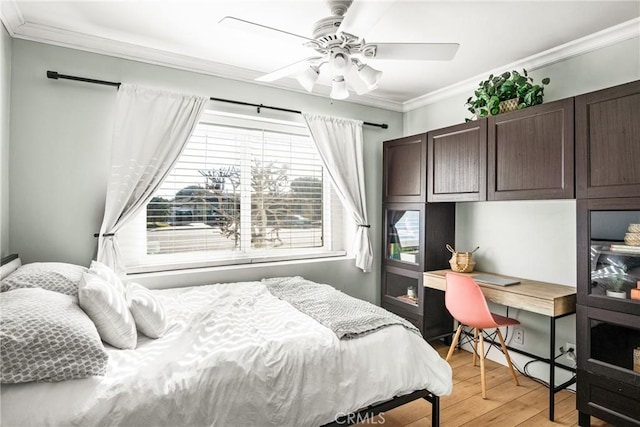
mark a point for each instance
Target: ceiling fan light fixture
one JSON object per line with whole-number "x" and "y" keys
{"x": 356, "y": 83}
{"x": 369, "y": 75}
{"x": 339, "y": 88}
{"x": 309, "y": 77}
{"x": 340, "y": 62}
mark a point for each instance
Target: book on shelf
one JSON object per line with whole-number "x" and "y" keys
{"x": 409, "y": 256}
{"x": 406, "y": 298}
{"x": 625, "y": 249}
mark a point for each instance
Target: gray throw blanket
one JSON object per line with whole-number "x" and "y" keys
{"x": 346, "y": 316}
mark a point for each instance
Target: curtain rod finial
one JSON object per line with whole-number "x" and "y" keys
{"x": 52, "y": 74}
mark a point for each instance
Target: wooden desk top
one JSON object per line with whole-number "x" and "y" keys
{"x": 538, "y": 297}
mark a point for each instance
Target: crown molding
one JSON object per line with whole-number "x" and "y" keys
{"x": 21, "y": 29}
{"x": 607, "y": 37}
{"x": 11, "y": 16}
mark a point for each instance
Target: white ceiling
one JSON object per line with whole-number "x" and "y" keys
{"x": 493, "y": 36}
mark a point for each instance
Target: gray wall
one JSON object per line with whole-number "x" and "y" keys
{"x": 5, "y": 97}
{"x": 60, "y": 148}
{"x": 61, "y": 132}
{"x": 532, "y": 239}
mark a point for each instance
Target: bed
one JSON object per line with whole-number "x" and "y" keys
{"x": 235, "y": 354}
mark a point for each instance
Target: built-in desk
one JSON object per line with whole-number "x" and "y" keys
{"x": 548, "y": 299}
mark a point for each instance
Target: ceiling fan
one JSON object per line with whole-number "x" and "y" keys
{"x": 339, "y": 44}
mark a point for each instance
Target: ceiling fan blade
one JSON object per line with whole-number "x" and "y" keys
{"x": 295, "y": 68}
{"x": 362, "y": 16}
{"x": 259, "y": 29}
{"x": 416, "y": 51}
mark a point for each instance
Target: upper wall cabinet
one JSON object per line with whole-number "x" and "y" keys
{"x": 530, "y": 153}
{"x": 608, "y": 142}
{"x": 405, "y": 165}
{"x": 457, "y": 163}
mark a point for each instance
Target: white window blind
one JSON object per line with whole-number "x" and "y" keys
{"x": 242, "y": 191}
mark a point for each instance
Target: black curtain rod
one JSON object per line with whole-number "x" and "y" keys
{"x": 55, "y": 75}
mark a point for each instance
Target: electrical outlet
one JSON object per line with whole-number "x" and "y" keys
{"x": 518, "y": 336}
{"x": 569, "y": 350}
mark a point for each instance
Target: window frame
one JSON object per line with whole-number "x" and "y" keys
{"x": 133, "y": 237}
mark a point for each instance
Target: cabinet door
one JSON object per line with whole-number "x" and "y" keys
{"x": 404, "y": 169}
{"x": 608, "y": 142}
{"x": 615, "y": 402}
{"x": 404, "y": 237}
{"x": 608, "y": 267}
{"x": 530, "y": 153}
{"x": 609, "y": 344}
{"x": 403, "y": 291}
{"x": 457, "y": 163}
{"x": 428, "y": 312}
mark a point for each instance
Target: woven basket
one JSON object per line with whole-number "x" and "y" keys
{"x": 634, "y": 228}
{"x": 632, "y": 239}
{"x": 508, "y": 105}
{"x": 461, "y": 262}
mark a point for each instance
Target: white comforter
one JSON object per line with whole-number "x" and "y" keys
{"x": 234, "y": 356}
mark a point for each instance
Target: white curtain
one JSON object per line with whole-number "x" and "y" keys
{"x": 340, "y": 144}
{"x": 151, "y": 129}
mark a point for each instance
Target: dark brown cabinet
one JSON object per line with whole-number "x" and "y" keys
{"x": 414, "y": 238}
{"x": 457, "y": 163}
{"x": 414, "y": 242}
{"x": 608, "y": 201}
{"x": 608, "y": 319}
{"x": 608, "y": 142}
{"x": 521, "y": 155}
{"x": 405, "y": 169}
{"x": 531, "y": 153}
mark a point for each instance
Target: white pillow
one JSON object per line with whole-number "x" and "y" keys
{"x": 9, "y": 267}
{"x": 107, "y": 307}
{"x": 105, "y": 272}
{"x": 147, "y": 311}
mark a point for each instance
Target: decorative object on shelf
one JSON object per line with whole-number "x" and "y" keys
{"x": 411, "y": 292}
{"x": 632, "y": 239}
{"x": 636, "y": 359}
{"x": 625, "y": 249}
{"x": 614, "y": 287}
{"x": 508, "y": 105}
{"x": 462, "y": 262}
{"x": 505, "y": 87}
{"x": 634, "y": 228}
{"x": 635, "y": 293}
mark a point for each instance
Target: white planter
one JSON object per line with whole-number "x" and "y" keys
{"x": 615, "y": 294}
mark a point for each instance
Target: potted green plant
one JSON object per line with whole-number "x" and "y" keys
{"x": 507, "y": 86}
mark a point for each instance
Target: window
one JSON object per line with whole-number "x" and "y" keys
{"x": 244, "y": 190}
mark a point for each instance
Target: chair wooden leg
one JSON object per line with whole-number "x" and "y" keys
{"x": 475, "y": 346}
{"x": 483, "y": 379}
{"x": 454, "y": 342}
{"x": 506, "y": 355}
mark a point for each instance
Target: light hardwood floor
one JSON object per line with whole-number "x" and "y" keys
{"x": 506, "y": 405}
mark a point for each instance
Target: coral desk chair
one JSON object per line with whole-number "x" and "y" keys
{"x": 466, "y": 303}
